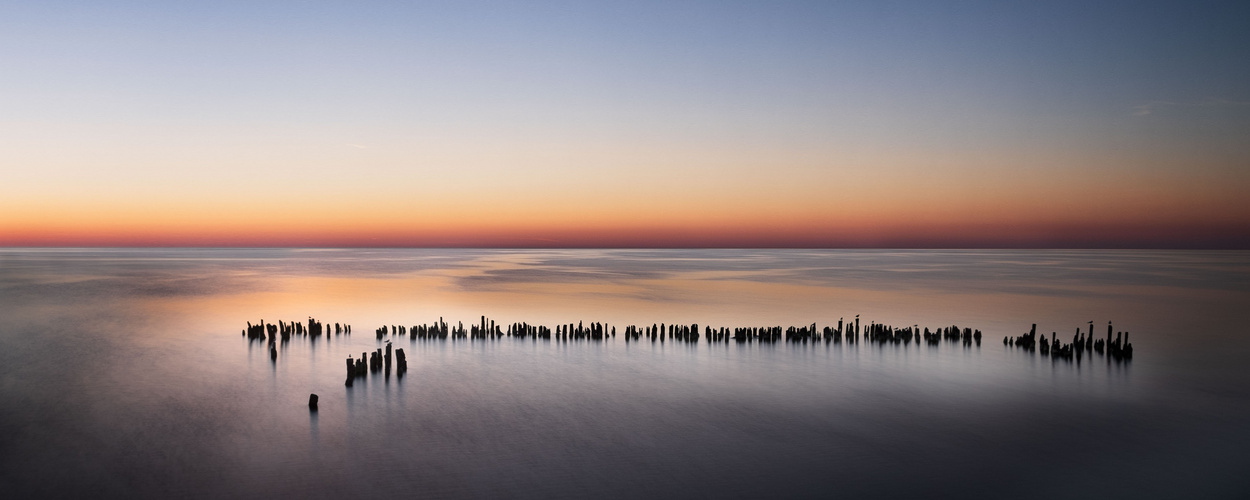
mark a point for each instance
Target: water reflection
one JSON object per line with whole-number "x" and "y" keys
{"x": 313, "y": 428}
{"x": 125, "y": 373}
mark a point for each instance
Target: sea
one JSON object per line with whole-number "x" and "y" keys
{"x": 127, "y": 373}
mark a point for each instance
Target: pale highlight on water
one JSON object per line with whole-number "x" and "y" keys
{"x": 125, "y": 374}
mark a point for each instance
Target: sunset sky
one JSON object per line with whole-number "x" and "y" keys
{"x": 631, "y": 123}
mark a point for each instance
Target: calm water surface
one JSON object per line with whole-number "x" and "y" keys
{"x": 123, "y": 374}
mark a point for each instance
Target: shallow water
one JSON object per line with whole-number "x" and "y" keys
{"x": 124, "y": 374}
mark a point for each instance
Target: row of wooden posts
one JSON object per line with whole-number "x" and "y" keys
{"x": 284, "y": 331}
{"x": 1082, "y": 343}
{"x": 844, "y": 332}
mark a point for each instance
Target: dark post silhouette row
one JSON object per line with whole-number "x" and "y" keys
{"x": 1082, "y": 343}
{"x": 849, "y": 332}
{"x": 283, "y": 330}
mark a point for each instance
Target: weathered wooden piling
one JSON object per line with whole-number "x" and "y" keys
{"x": 351, "y": 371}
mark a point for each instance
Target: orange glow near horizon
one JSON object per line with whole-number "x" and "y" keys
{"x": 901, "y": 219}
{"x": 665, "y": 195}
{"x": 752, "y": 125}
{"x": 576, "y": 193}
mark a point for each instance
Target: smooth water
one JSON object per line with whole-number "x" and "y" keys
{"x": 123, "y": 373}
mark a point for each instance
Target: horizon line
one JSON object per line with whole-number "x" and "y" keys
{"x": 621, "y": 247}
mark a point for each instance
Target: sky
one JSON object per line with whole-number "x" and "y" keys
{"x": 1081, "y": 124}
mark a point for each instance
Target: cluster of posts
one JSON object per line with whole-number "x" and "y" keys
{"x": 381, "y": 360}
{"x": 845, "y": 331}
{"x": 486, "y": 329}
{"x": 441, "y": 330}
{"x": 284, "y": 330}
{"x": 378, "y": 361}
{"x": 1082, "y": 343}
{"x": 885, "y": 334}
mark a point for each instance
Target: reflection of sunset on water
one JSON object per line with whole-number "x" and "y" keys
{"x": 140, "y": 354}
{"x": 996, "y": 291}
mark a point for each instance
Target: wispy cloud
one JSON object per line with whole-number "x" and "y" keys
{"x": 1151, "y": 107}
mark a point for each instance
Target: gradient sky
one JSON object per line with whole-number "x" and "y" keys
{"x": 672, "y": 123}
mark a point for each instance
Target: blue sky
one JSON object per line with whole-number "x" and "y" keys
{"x": 139, "y": 98}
